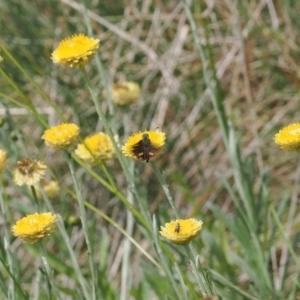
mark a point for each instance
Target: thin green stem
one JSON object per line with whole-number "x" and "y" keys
{"x": 111, "y": 221}
{"x": 66, "y": 239}
{"x": 28, "y": 105}
{"x": 36, "y": 86}
{"x": 48, "y": 270}
{"x": 116, "y": 192}
{"x": 84, "y": 224}
{"x": 237, "y": 291}
{"x": 37, "y": 285}
{"x": 126, "y": 270}
{"x": 164, "y": 262}
{"x": 287, "y": 242}
{"x": 123, "y": 162}
{"x": 109, "y": 178}
{"x": 165, "y": 187}
{"x": 210, "y": 75}
{"x": 7, "y": 237}
{"x": 37, "y": 202}
{"x": 199, "y": 272}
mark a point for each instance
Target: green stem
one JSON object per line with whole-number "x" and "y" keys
{"x": 116, "y": 192}
{"x": 111, "y": 221}
{"x": 48, "y": 270}
{"x": 286, "y": 240}
{"x": 27, "y": 104}
{"x": 129, "y": 176}
{"x": 37, "y": 202}
{"x": 210, "y": 75}
{"x": 36, "y": 86}
{"x": 126, "y": 270}
{"x": 84, "y": 223}
{"x": 66, "y": 239}
{"x": 198, "y": 272}
{"x": 6, "y": 238}
{"x": 109, "y": 178}
{"x": 165, "y": 187}
{"x": 164, "y": 262}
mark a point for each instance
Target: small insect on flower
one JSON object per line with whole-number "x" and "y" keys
{"x": 143, "y": 149}
{"x": 181, "y": 231}
{"x": 145, "y": 146}
{"x": 177, "y": 228}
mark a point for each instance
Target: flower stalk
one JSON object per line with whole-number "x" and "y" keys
{"x": 84, "y": 224}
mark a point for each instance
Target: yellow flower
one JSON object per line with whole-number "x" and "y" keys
{"x": 97, "y": 147}
{"x": 288, "y": 138}
{"x": 1, "y": 59}
{"x": 28, "y": 171}
{"x": 75, "y": 51}
{"x": 34, "y": 227}
{"x": 3, "y": 160}
{"x": 145, "y": 145}
{"x": 124, "y": 93}
{"x": 62, "y": 136}
{"x": 51, "y": 189}
{"x": 181, "y": 231}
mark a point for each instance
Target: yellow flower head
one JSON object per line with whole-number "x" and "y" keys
{"x": 288, "y": 138}
{"x": 34, "y": 227}
{"x": 125, "y": 93}
{"x": 28, "y": 171}
{"x": 97, "y": 147}
{"x": 3, "y": 160}
{"x": 181, "y": 231}
{"x": 62, "y": 136}
{"x": 75, "y": 51}
{"x": 145, "y": 145}
{"x": 51, "y": 189}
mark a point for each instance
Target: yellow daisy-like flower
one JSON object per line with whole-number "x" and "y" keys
{"x": 51, "y": 189}
{"x": 62, "y": 136}
{"x": 181, "y": 231}
{"x": 28, "y": 171}
{"x": 3, "y": 160}
{"x": 75, "y": 51}
{"x": 145, "y": 145}
{"x": 288, "y": 138}
{"x": 97, "y": 147}
{"x": 35, "y": 227}
{"x": 125, "y": 93}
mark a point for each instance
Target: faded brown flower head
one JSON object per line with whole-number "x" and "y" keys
{"x": 124, "y": 93}
{"x": 181, "y": 231}
{"x": 75, "y": 51}
{"x": 28, "y": 171}
{"x": 62, "y": 136}
{"x": 35, "y": 227}
{"x": 3, "y": 160}
{"x": 97, "y": 147}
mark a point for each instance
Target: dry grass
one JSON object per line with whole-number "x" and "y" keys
{"x": 255, "y": 44}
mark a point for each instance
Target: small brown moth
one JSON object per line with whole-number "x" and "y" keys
{"x": 177, "y": 228}
{"x": 144, "y": 150}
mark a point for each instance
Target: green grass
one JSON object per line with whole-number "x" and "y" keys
{"x": 220, "y": 81}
